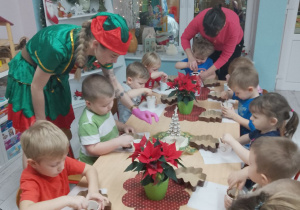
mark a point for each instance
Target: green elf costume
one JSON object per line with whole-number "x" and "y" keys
{"x": 53, "y": 50}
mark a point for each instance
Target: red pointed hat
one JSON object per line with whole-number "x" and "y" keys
{"x": 111, "y": 31}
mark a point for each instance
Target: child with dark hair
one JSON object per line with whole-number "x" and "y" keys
{"x": 282, "y": 194}
{"x": 270, "y": 159}
{"x": 271, "y": 116}
{"x": 202, "y": 49}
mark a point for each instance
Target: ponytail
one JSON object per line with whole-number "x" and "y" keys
{"x": 291, "y": 126}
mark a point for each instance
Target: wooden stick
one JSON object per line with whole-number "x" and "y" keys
{"x": 237, "y": 191}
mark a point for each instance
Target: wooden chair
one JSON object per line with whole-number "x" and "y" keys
{"x": 5, "y": 42}
{"x": 264, "y": 91}
{"x": 18, "y": 197}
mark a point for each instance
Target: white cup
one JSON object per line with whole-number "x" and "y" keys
{"x": 151, "y": 102}
{"x": 227, "y": 105}
{"x": 93, "y": 205}
{"x": 225, "y": 87}
{"x": 163, "y": 86}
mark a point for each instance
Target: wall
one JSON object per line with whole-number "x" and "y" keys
{"x": 20, "y": 13}
{"x": 269, "y": 35}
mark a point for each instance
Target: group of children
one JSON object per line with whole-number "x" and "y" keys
{"x": 267, "y": 125}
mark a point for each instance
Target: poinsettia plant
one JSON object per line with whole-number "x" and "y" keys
{"x": 185, "y": 87}
{"x": 153, "y": 159}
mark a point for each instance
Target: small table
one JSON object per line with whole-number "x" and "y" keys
{"x": 111, "y": 167}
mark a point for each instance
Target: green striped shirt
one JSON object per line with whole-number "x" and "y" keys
{"x": 93, "y": 129}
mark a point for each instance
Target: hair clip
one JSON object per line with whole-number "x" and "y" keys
{"x": 212, "y": 22}
{"x": 292, "y": 110}
{"x": 259, "y": 205}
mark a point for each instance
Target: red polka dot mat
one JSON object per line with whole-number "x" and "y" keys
{"x": 136, "y": 197}
{"x": 194, "y": 116}
{"x": 204, "y": 94}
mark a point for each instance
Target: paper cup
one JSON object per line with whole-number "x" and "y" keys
{"x": 93, "y": 205}
{"x": 163, "y": 86}
{"x": 151, "y": 102}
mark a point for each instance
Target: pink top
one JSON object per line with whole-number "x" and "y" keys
{"x": 227, "y": 39}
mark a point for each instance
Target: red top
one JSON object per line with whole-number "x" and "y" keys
{"x": 36, "y": 187}
{"x": 227, "y": 39}
{"x": 150, "y": 82}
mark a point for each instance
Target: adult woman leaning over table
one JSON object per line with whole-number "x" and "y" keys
{"x": 38, "y": 78}
{"x": 220, "y": 26}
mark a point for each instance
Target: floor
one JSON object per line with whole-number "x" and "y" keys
{"x": 10, "y": 176}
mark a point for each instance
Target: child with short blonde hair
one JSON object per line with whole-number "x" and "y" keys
{"x": 271, "y": 116}
{"x": 98, "y": 130}
{"x": 282, "y": 194}
{"x": 44, "y": 182}
{"x": 152, "y": 62}
{"x": 243, "y": 82}
{"x": 201, "y": 49}
{"x": 270, "y": 159}
{"x": 136, "y": 77}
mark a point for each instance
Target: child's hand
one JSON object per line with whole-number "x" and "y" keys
{"x": 227, "y": 138}
{"x": 147, "y": 91}
{"x": 102, "y": 200}
{"x": 227, "y": 202}
{"x": 125, "y": 140}
{"x": 78, "y": 202}
{"x": 227, "y": 77}
{"x": 128, "y": 129}
{"x": 228, "y": 112}
{"x": 238, "y": 177}
{"x": 164, "y": 77}
{"x": 224, "y": 95}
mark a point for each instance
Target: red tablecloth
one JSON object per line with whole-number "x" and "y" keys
{"x": 194, "y": 116}
{"x": 136, "y": 197}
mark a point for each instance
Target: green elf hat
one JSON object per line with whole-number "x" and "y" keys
{"x": 111, "y": 31}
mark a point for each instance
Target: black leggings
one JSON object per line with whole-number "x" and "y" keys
{"x": 223, "y": 71}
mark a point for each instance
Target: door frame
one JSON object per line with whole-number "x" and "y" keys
{"x": 286, "y": 46}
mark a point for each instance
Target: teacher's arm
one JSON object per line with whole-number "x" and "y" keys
{"x": 39, "y": 81}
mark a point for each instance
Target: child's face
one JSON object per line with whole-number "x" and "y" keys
{"x": 49, "y": 166}
{"x": 101, "y": 105}
{"x": 262, "y": 122}
{"x": 242, "y": 94}
{"x": 252, "y": 169}
{"x": 200, "y": 59}
{"x": 153, "y": 68}
{"x": 136, "y": 83}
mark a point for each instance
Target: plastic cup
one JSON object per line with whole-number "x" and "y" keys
{"x": 151, "y": 102}
{"x": 225, "y": 148}
{"x": 225, "y": 87}
{"x": 227, "y": 105}
{"x": 232, "y": 195}
{"x": 163, "y": 86}
{"x": 93, "y": 205}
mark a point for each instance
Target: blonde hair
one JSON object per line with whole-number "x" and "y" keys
{"x": 238, "y": 62}
{"x": 137, "y": 70}
{"x": 244, "y": 77}
{"x": 282, "y": 194}
{"x": 95, "y": 86}
{"x": 151, "y": 59}
{"x": 44, "y": 139}
{"x": 276, "y": 157}
{"x": 84, "y": 37}
{"x": 202, "y": 47}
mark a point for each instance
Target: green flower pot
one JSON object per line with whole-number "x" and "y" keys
{"x": 185, "y": 108}
{"x": 156, "y": 192}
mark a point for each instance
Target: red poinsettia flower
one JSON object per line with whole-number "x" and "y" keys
{"x": 170, "y": 153}
{"x": 150, "y": 154}
{"x": 153, "y": 168}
